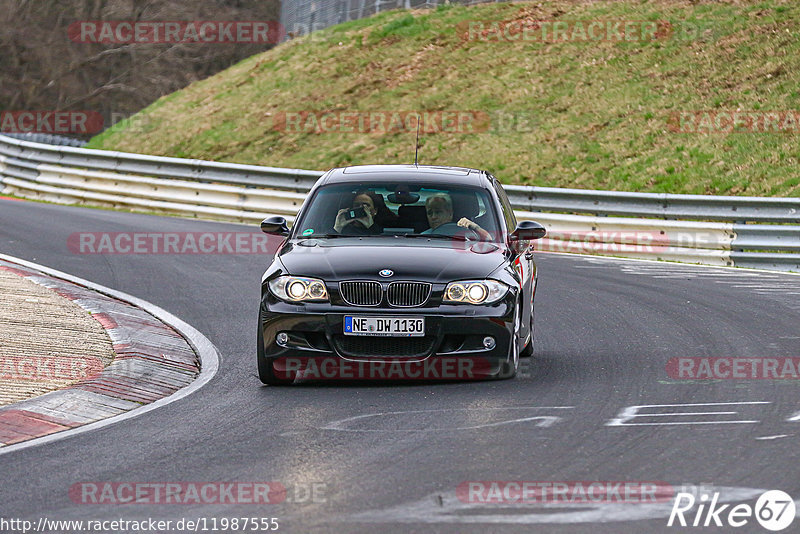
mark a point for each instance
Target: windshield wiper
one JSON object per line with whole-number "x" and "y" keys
{"x": 315, "y": 236}
{"x": 438, "y": 236}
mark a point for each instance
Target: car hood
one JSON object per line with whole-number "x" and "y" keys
{"x": 345, "y": 259}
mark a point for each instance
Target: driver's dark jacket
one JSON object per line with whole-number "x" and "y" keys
{"x": 358, "y": 228}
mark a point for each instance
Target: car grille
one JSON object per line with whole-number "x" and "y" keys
{"x": 408, "y": 293}
{"x": 384, "y": 347}
{"x": 361, "y": 293}
{"x": 401, "y": 294}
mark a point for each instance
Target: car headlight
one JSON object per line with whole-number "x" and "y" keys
{"x": 475, "y": 291}
{"x": 298, "y": 289}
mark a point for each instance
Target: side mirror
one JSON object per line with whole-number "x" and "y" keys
{"x": 275, "y": 225}
{"x": 527, "y": 230}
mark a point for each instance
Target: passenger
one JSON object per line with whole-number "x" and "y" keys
{"x": 439, "y": 209}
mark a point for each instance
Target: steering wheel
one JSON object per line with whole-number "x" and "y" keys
{"x": 453, "y": 229}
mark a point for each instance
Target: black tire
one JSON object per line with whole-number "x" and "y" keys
{"x": 266, "y": 372}
{"x": 509, "y": 368}
{"x": 527, "y": 352}
{"x": 511, "y": 365}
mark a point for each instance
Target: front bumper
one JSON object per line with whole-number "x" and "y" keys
{"x": 453, "y": 341}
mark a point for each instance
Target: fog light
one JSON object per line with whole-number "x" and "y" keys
{"x": 489, "y": 342}
{"x": 282, "y": 338}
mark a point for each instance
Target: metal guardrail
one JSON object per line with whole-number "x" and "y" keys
{"x": 713, "y": 230}
{"x": 659, "y": 205}
{"x": 300, "y": 17}
{"x": 48, "y": 139}
{"x": 26, "y": 156}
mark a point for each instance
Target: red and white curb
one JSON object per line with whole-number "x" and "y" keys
{"x": 159, "y": 359}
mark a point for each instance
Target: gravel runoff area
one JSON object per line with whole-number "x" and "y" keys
{"x": 97, "y": 376}
{"x": 47, "y": 342}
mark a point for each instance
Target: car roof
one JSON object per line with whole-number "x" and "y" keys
{"x": 395, "y": 173}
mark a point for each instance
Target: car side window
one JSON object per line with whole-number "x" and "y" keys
{"x": 481, "y": 206}
{"x": 505, "y": 204}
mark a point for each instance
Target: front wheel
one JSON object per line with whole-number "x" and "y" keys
{"x": 527, "y": 352}
{"x": 510, "y": 366}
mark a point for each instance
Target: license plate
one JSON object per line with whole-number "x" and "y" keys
{"x": 355, "y": 325}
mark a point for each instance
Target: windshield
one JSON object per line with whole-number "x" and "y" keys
{"x": 405, "y": 209}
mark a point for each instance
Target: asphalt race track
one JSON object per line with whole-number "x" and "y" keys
{"x": 389, "y": 457}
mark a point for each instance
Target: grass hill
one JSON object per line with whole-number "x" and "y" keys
{"x": 567, "y": 112}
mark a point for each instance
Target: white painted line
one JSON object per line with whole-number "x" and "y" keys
{"x": 684, "y": 413}
{"x": 688, "y": 423}
{"x": 675, "y": 276}
{"x": 774, "y": 437}
{"x": 699, "y": 267}
{"x": 777, "y": 288}
{"x": 205, "y": 350}
{"x": 704, "y": 404}
{"x": 630, "y": 413}
{"x": 543, "y": 421}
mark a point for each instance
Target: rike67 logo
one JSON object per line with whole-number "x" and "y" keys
{"x": 774, "y": 510}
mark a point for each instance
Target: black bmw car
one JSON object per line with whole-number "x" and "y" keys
{"x": 399, "y": 272}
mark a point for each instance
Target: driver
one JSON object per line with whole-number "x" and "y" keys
{"x": 439, "y": 209}
{"x": 362, "y": 225}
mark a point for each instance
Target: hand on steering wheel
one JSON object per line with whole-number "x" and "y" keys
{"x": 472, "y": 227}
{"x": 456, "y": 229}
